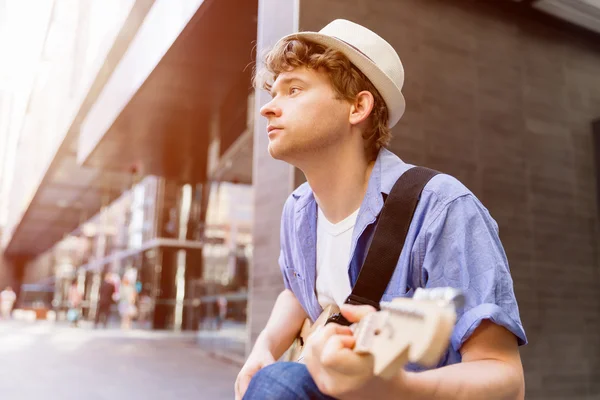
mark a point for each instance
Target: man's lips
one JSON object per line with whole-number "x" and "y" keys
{"x": 272, "y": 129}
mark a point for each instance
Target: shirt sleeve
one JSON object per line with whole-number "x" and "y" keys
{"x": 283, "y": 242}
{"x": 462, "y": 249}
{"x": 282, "y": 267}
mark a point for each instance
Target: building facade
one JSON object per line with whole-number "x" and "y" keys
{"x": 152, "y": 159}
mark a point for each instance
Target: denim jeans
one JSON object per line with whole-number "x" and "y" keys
{"x": 284, "y": 381}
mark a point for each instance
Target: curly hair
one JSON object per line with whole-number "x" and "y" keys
{"x": 346, "y": 80}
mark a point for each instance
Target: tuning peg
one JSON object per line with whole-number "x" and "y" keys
{"x": 367, "y": 329}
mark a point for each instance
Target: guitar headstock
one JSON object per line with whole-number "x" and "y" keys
{"x": 415, "y": 330}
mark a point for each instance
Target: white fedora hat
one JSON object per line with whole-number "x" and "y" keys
{"x": 371, "y": 54}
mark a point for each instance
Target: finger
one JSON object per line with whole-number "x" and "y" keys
{"x": 238, "y": 396}
{"x": 339, "y": 342}
{"x": 336, "y": 343}
{"x": 356, "y": 313}
{"x": 335, "y": 329}
{"x": 334, "y": 346}
{"x": 338, "y": 356}
{"x": 322, "y": 333}
{"x": 316, "y": 341}
{"x": 243, "y": 385}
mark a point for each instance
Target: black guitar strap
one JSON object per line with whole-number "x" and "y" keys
{"x": 388, "y": 240}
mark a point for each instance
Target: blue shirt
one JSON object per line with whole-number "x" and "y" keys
{"x": 452, "y": 241}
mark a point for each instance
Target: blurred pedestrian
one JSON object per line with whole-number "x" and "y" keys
{"x": 105, "y": 300}
{"x": 145, "y": 307}
{"x": 74, "y": 299}
{"x": 7, "y": 301}
{"x": 127, "y": 308}
{"x": 221, "y": 311}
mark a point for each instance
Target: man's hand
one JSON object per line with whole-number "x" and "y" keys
{"x": 283, "y": 326}
{"x": 490, "y": 368}
{"x": 255, "y": 362}
{"x": 336, "y": 369}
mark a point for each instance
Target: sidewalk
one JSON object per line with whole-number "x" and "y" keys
{"x": 227, "y": 344}
{"x": 44, "y": 360}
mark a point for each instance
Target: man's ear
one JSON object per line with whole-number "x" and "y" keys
{"x": 361, "y": 107}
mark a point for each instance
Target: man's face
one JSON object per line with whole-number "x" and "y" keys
{"x": 304, "y": 115}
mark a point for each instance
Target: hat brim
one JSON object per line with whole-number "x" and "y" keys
{"x": 387, "y": 88}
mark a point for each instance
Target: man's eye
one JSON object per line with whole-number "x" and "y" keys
{"x": 294, "y": 90}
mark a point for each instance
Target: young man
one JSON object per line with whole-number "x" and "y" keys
{"x": 335, "y": 96}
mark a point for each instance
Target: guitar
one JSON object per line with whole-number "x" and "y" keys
{"x": 415, "y": 330}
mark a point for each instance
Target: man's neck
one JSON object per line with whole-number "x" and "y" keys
{"x": 339, "y": 181}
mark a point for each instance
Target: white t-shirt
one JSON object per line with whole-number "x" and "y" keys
{"x": 333, "y": 257}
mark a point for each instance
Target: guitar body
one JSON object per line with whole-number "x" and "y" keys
{"x": 296, "y": 349}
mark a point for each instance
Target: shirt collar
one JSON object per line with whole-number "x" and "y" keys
{"x": 387, "y": 169}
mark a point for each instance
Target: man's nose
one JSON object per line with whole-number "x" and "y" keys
{"x": 271, "y": 109}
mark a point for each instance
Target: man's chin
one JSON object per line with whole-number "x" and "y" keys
{"x": 276, "y": 152}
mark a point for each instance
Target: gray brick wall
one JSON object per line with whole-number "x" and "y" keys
{"x": 505, "y": 103}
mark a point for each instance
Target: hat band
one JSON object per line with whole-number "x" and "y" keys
{"x": 354, "y": 47}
